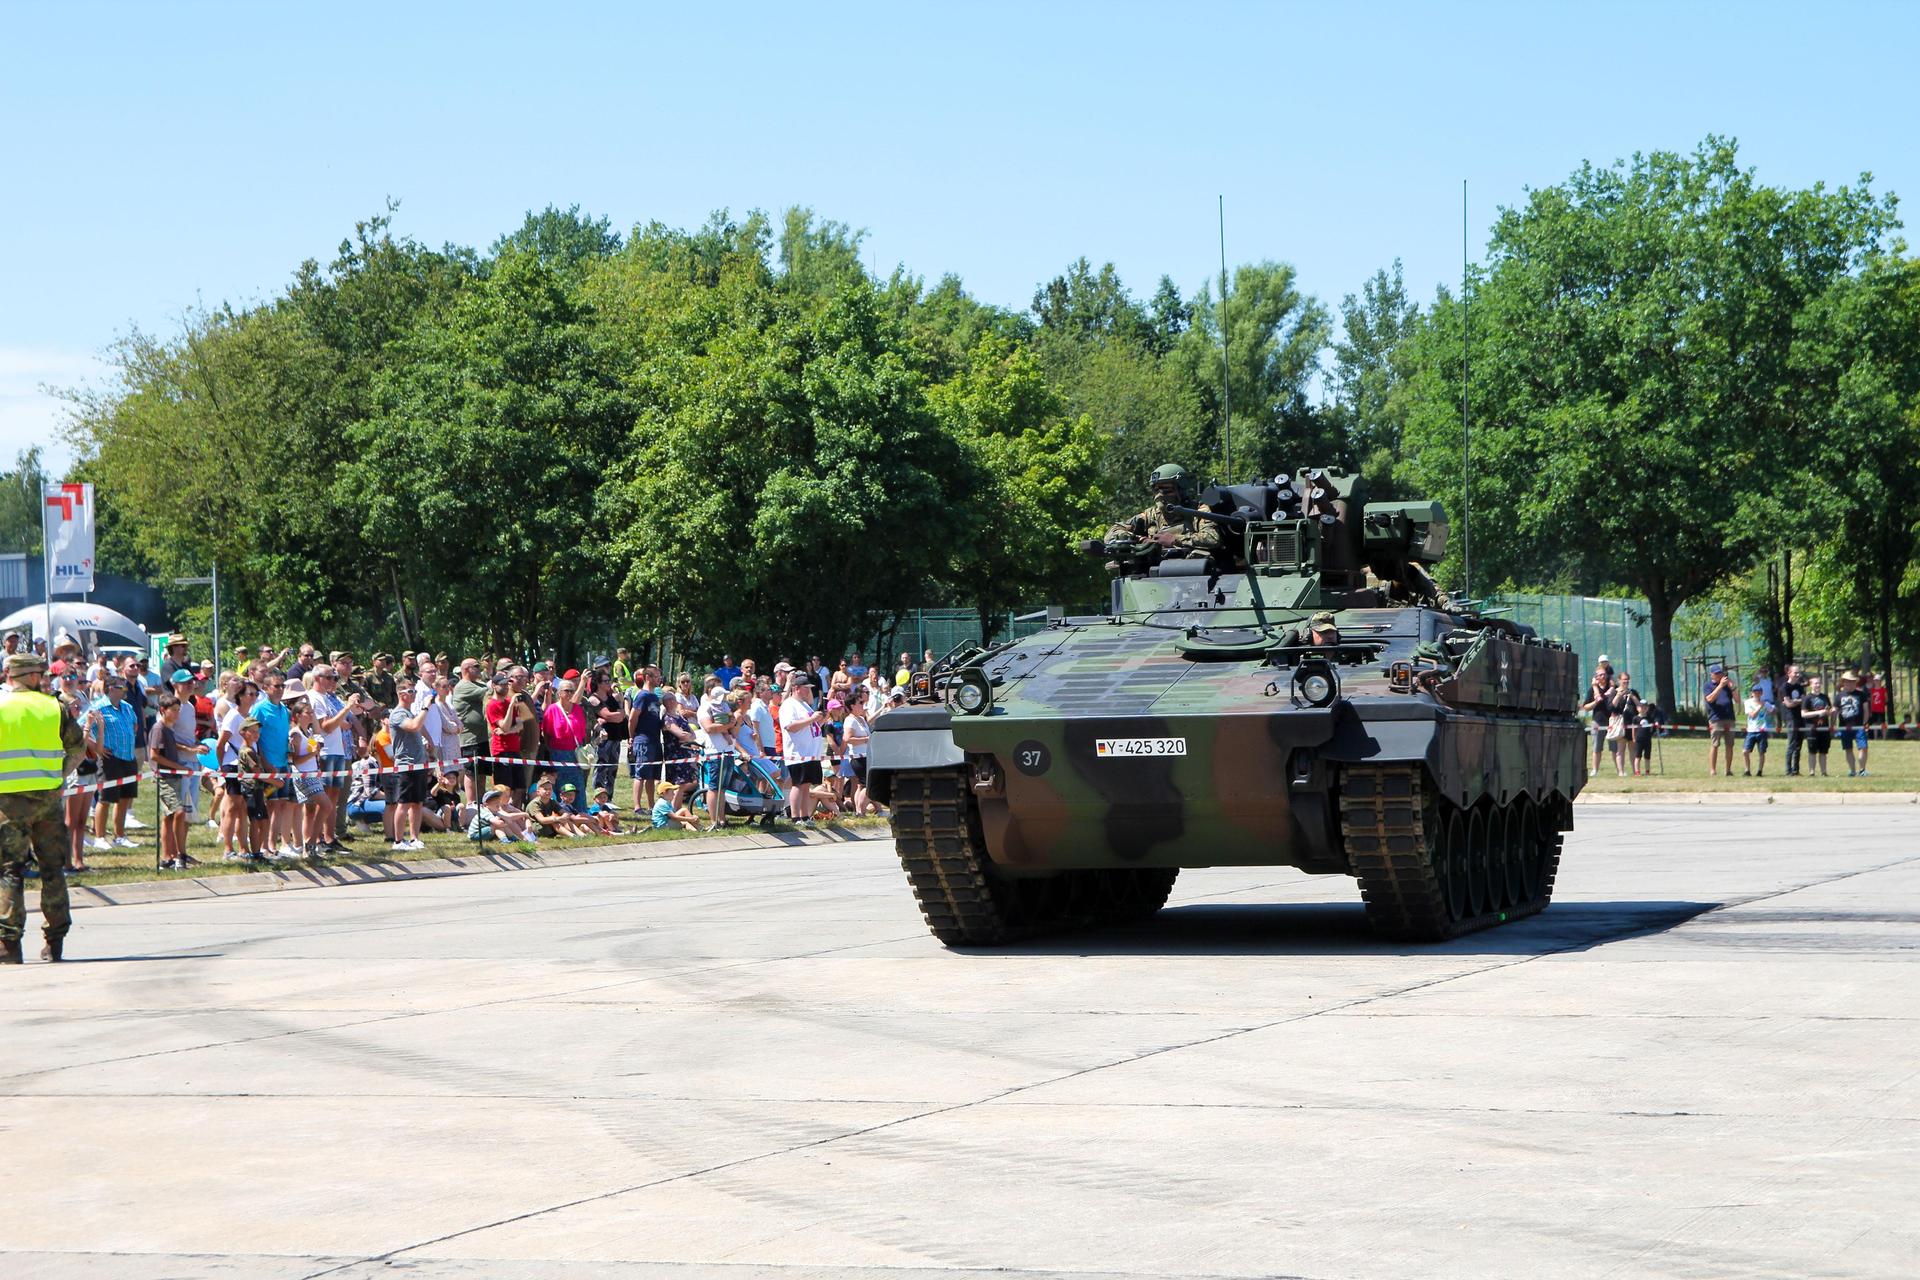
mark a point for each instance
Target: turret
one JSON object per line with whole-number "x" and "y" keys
{"x": 1314, "y": 528}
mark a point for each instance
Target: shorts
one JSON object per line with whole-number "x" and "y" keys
{"x": 1717, "y": 729}
{"x": 113, "y": 768}
{"x": 1599, "y": 737}
{"x": 803, "y": 773}
{"x": 1643, "y": 744}
{"x": 410, "y": 787}
{"x": 281, "y": 792}
{"x": 229, "y": 783}
{"x": 309, "y": 787}
{"x": 335, "y": 772}
{"x": 1819, "y": 743}
{"x": 167, "y": 786}
{"x": 860, "y": 769}
{"x": 710, "y": 771}
{"x": 643, "y": 758}
{"x": 511, "y": 776}
{"x": 474, "y": 758}
{"x": 257, "y": 804}
{"x": 1852, "y": 736}
{"x": 1757, "y": 740}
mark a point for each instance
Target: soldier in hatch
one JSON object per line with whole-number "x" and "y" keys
{"x": 1173, "y": 535}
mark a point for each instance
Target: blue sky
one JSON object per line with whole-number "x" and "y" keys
{"x": 163, "y": 154}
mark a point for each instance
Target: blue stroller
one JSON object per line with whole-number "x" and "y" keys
{"x": 751, "y": 787}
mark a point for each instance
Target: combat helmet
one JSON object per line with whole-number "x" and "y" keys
{"x": 1171, "y": 473}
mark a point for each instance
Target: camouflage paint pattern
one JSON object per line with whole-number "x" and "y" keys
{"x": 1192, "y": 657}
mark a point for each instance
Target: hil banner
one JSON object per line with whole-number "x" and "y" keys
{"x": 69, "y": 529}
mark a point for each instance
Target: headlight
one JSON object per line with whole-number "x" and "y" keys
{"x": 1315, "y": 683}
{"x": 970, "y": 694}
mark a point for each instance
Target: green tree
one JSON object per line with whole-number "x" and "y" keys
{"x": 20, "y": 524}
{"x": 564, "y": 239}
{"x": 1032, "y": 486}
{"x": 1369, "y": 366}
{"x": 1633, "y": 334}
{"x": 509, "y": 416}
{"x": 784, "y": 479}
{"x": 1274, "y": 338}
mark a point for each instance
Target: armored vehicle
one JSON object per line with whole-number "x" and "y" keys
{"x": 1213, "y": 717}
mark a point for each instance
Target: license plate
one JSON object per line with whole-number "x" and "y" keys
{"x": 1111, "y": 747}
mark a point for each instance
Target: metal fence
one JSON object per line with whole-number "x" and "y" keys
{"x": 1620, "y": 627}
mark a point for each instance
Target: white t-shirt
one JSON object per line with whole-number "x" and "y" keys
{"x": 802, "y": 740}
{"x": 711, "y": 708}
{"x": 763, "y": 727}
{"x": 857, "y": 729}
{"x": 231, "y": 727}
{"x": 333, "y": 742}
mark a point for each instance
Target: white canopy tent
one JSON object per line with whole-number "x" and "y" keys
{"x": 90, "y": 624}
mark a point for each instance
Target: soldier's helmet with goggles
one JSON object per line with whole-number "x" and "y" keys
{"x": 1174, "y": 474}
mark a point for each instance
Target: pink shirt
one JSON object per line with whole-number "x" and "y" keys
{"x": 562, "y": 729}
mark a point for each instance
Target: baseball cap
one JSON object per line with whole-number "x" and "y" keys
{"x": 538, "y": 666}
{"x": 182, "y": 676}
{"x": 249, "y": 723}
{"x": 1605, "y": 658}
{"x": 1716, "y": 669}
{"x": 568, "y": 786}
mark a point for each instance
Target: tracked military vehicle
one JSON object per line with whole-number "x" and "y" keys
{"x": 1426, "y": 749}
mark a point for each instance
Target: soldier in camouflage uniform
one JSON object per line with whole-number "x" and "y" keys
{"x": 1173, "y": 534}
{"x": 32, "y": 815}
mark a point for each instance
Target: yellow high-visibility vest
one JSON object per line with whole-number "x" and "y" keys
{"x": 31, "y": 756}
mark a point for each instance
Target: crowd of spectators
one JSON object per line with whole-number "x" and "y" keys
{"x": 1797, "y": 706}
{"x": 295, "y": 754}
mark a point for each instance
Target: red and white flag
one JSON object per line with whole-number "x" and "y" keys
{"x": 68, "y": 524}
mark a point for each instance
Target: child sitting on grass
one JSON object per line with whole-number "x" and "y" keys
{"x": 601, "y": 813}
{"x": 494, "y": 819}
{"x": 546, "y": 817}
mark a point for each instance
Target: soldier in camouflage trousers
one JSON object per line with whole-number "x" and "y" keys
{"x": 1172, "y": 533}
{"x": 39, "y": 745}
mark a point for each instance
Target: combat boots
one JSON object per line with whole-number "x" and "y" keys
{"x": 51, "y": 952}
{"x": 10, "y": 951}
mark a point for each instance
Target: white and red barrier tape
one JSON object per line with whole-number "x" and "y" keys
{"x": 366, "y": 765}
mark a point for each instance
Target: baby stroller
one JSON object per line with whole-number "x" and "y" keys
{"x": 752, "y": 788}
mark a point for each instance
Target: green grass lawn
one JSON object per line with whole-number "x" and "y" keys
{"x": 1891, "y": 766}
{"x": 120, "y": 866}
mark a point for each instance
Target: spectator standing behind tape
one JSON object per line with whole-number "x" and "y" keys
{"x": 276, "y": 724}
{"x": 563, "y": 729}
{"x": 503, "y": 735}
{"x": 1718, "y": 701}
{"x": 410, "y": 779}
{"x": 470, "y": 704}
{"x": 1817, "y": 713}
{"x": 800, "y": 725}
{"x": 118, "y": 727}
{"x": 645, "y": 755}
{"x": 1852, "y": 707}
{"x": 607, "y": 713}
{"x": 680, "y": 746}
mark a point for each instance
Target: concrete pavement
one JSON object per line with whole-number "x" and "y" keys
{"x": 1701, "y": 1061}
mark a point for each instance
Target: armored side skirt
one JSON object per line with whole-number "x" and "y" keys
{"x": 1252, "y": 789}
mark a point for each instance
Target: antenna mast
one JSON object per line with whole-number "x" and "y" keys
{"x": 1466, "y": 437}
{"x": 1226, "y": 395}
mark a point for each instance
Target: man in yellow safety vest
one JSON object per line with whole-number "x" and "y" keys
{"x": 39, "y": 745}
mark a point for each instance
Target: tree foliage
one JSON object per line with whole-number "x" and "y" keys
{"x": 1633, "y": 362}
